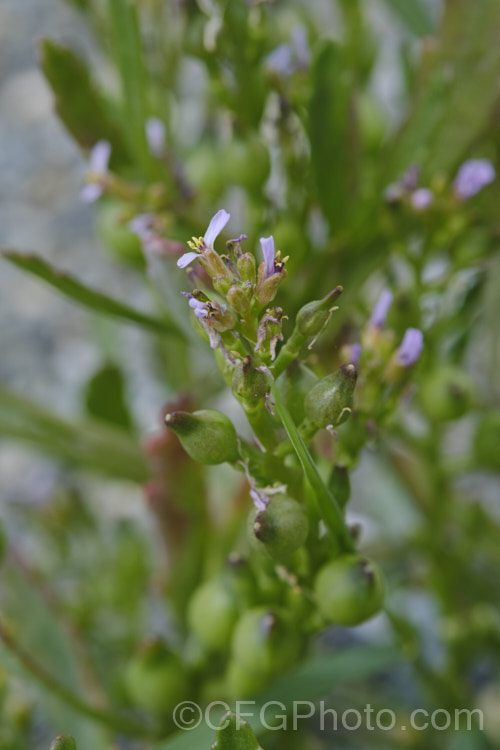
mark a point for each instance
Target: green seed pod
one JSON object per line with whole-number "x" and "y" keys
{"x": 293, "y": 386}
{"x": 330, "y": 401}
{"x": 156, "y": 679}
{"x": 249, "y": 383}
{"x": 281, "y": 528}
{"x": 63, "y": 742}
{"x": 265, "y": 641}
{"x": 313, "y": 317}
{"x": 247, "y": 267}
{"x": 234, "y": 733}
{"x": 208, "y": 436}
{"x": 487, "y": 440}
{"x": 447, "y": 394}
{"x": 213, "y": 612}
{"x": 349, "y": 590}
{"x": 243, "y": 683}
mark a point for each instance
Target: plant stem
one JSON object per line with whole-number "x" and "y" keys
{"x": 44, "y": 677}
{"x": 328, "y": 507}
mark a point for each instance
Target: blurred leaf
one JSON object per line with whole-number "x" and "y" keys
{"x": 105, "y": 397}
{"x": 332, "y": 135}
{"x": 93, "y": 300}
{"x": 93, "y": 446}
{"x": 129, "y": 55}
{"x": 46, "y": 639}
{"x": 309, "y": 682}
{"x": 79, "y": 104}
{"x": 234, "y": 733}
{"x": 458, "y": 88}
{"x": 413, "y": 14}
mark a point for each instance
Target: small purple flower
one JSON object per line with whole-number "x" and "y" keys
{"x": 381, "y": 309}
{"x": 97, "y": 171}
{"x": 215, "y": 227}
{"x": 291, "y": 57}
{"x": 267, "y": 244}
{"x": 472, "y": 177}
{"x": 155, "y": 136}
{"x": 421, "y": 199}
{"x": 411, "y": 347}
{"x": 355, "y": 353}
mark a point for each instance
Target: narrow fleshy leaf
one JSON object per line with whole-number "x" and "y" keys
{"x": 327, "y": 505}
{"x": 78, "y": 102}
{"x": 89, "y": 298}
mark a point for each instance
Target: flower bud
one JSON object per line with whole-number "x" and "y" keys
{"x": 208, "y": 436}
{"x": 266, "y": 288}
{"x": 63, "y": 742}
{"x": 447, "y": 394}
{"x": 234, "y": 733}
{"x": 265, "y": 641}
{"x": 281, "y": 528}
{"x": 330, "y": 401}
{"x": 156, "y": 679}
{"x": 238, "y": 300}
{"x": 313, "y": 317}
{"x": 249, "y": 382}
{"x": 247, "y": 266}
{"x": 349, "y": 590}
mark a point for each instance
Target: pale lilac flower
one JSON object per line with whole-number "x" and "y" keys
{"x": 291, "y": 57}
{"x": 381, "y": 309}
{"x": 97, "y": 171}
{"x": 411, "y": 347}
{"x": 199, "y": 308}
{"x": 155, "y": 136}
{"x": 421, "y": 199}
{"x": 472, "y": 177}
{"x": 142, "y": 226}
{"x": 406, "y": 183}
{"x": 215, "y": 227}
{"x": 260, "y": 500}
{"x": 355, "y": 353}
{"x": 267, "y": 244}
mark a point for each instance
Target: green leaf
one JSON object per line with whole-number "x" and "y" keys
{"x": 89, "y": 298}
{"x": 457, "y": 91}
{"x": 92, "y": 446}
{"x": 413, "y": 14}
{"x": 234, "y": 733}
{"x": 105, "y": 397}
{"x": 79, "y": 103}
{"x": 327, "y": 505}
{"x": 129, "y": 55}
{"x": 331, "y": 134}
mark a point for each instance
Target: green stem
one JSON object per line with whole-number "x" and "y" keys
{"x": 328, "y": 506}
{"x": 44, "y": 677}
